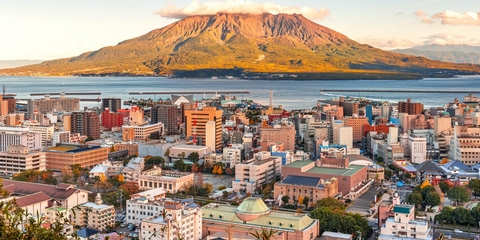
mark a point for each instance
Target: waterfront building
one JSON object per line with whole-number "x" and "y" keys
{"x": 18, "y": 159}
{"x": 48, "y": 104}
{"x": 412, "y": 108}
{"x": 113, "y": 104}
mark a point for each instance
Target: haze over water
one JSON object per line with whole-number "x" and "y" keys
{"x": 289, "y": 94}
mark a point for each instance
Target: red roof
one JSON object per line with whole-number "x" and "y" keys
{"x": 32, "y": 199}
{"x": 62, "y": 191}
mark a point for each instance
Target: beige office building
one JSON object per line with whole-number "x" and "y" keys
{"x": 284, "y": 133}
{"x": 197, "y": 122}
{"x": 94, "y": 215}
{"x": 134, "y": 132}
{"x": 64, "y": 155}
{"x": 171, "y": 181}
{"x": 251, "y": 175}
{"x": 18, "y": 159}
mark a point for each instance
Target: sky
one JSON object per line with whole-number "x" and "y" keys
{"x": 51, "y": 29}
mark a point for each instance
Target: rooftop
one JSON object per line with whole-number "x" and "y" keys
{"x": 349, "y": 171}
{"x": 96, "y": 206}
{"x": 298, "y": 164}
{"x": 301, "y": 180}
{"x": 402, "y": 208}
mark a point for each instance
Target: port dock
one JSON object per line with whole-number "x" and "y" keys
{"x": 399, "y": 91}
{"x": 185, "y": 93}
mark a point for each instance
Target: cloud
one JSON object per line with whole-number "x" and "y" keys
{"x": 422, "y": 16}
{"x": 448, "y": 39}
{"x": 398, "y": 14}
{"x": 239, "y": 6}
{"x": 388, "y": 44}
{"x": 455, "y": 18}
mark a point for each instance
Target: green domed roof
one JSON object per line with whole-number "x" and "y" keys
{"x": 251, "y": 208}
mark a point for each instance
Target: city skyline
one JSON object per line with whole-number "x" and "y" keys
{"x": 57, "y": 29}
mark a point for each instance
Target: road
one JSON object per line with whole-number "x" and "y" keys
{"x": 463, "y": 235}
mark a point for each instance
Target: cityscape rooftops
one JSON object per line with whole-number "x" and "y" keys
{"x": 402, "y": 208}
{"x": 348, "y": 171}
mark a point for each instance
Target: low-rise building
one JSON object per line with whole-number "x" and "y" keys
{"x": 18, "y": 159}
{"x": 253, "y": 174}
{"x": 314, "y": 188}
{"x": 403, "y": 225}
{"x": 144, "y": 205}
{"x": 176, "y": 220}
{"x": 94, "y": 214}
{"x": 135, "y": 132}
{"x": 65, "y": 155}
{"x": 171, "y": 181}
{"x": 133, "y": 169}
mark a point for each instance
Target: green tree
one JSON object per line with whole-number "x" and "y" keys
{"x": 474, "y": 185}
{"x": 458, "y": 194}
{"x": 285, "y": 200}
{"x": 180, "y": 165}
{"x": 432, "y": 199}
{"x": 331, "y": 203}
{"x": 415, "y": 198}
{"x": 89, "y": 139}
{"x": 462, "y": 216}
{"x": 426, "y": 190}
{"x": 444, "y": 187}
{"x": 306, "y": 201}
{"x": 445, "y": 216}
{"x": 154, "y": 161}
{"x": 193, "y": 157}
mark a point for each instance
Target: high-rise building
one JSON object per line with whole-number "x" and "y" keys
{"x": 168, "y": 115}
{"x": 48, "y": 104}
{"x": 111, "y": 119}
{"x": 14, "y": 119}
{"x": 3, "y": 107}
{"x": 196, "y": 124}
{"x": 19, "y": 136}
{"x": 113, "y": 104}
{"x": 85, "y": 123}
{"x": 357, "y": 124}
{"x": 410, "y": 107}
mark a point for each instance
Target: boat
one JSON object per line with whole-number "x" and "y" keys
{"x": 214, "y": 77}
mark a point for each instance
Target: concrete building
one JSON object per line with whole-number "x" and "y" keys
{"x": 314, "y": 188}
{"x": 94, "y": 215}
{"x": 111, "y": 119}
{"x": 60, "y": 137}
{"x": 410, "y": 107}
{"x": 48, "y": 104}
{"x": 131, "y": 147}
{"x": 19, "y": 136}
{"x": 171, "y": 181}
{"x": 45, "y": 131}
{"x": 233, "y": 155}
{"x": 345, "y": 136}
{"x": 85, "y": 123}
{"x": 14, "y": 119}
{"x": 113, "y": 104}
{"x": 404, "y": 226}
{"x": 179, "y": 220}
{"x": 357, "y": 125}
{"x": 465, "y": 145}
{"x": 18, "y": 159}
{"x": 196, "y": 124}
{"x": 284, "y": 133}
{"x": 64, "y": 155}
{"x": 168, "y": 115}
{"x": 133, "y": 169}
{"x": 251, "y": 175}
{"x": 253, "y": 215}
{"x": 417, "y": 147}
{"x": 187, "y": 150}
{"x": 146, "y": 204}
{"x": 334, "y": 133}
{"x": 135, "y": 132}
{"x": 352, "y": 179}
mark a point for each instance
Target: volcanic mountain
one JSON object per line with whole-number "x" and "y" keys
{"x": 246, "y": 44}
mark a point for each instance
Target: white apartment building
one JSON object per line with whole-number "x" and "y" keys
{"x": 171, "y": 181}
{"x": 404, "y": 225}
{"x": 46, "y": 133}
{"x": 94, "y": 215}
{"x": 18, "y": 159}
{"x": 19, "y": 136}
{"x": 253, "y": 174}
{"x": 417, "y": 147}
{"x": 60, "y": 137}
{"x": 144, "y": 205}
{"x": 177, "y": 220}
{"x": 233, "y": 155}
{"x": 133, "y": 169}
{"x": 465, "y": 145}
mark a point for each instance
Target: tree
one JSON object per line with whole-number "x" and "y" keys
{"x": 285, "y": 200}
{"x": 264, "y": 234}
{"x": 305, "y": 201}
{"x": 180, "y": 165}
{"x": 337, "y": 220}
{"x": 181, "y": 156}
{"x": 300, "y": 199}
{"x": 225, "y": 194}
{"x": 130, "y": 187}
{"x": 444, "y": 186}
{"x": 415, "y": 198}
{"x": 426, "y": 190}
{"x": 462, "y": 216}
{"x": 150, "y": 162}
{"x": 432, "y": 199}
{"x": 458, "y": 194}
{"x": 331, "y": 203}
{"x": 121, "y": 178}
{"x": 444, "y": 160}
{"x": 193, "y": 157}
{"x": 228, "y": 171}
{"x": 474, "y": 185}
{"x": 90, "y": 138}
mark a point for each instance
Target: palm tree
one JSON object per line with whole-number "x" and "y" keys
{"x": 265, "y": 234}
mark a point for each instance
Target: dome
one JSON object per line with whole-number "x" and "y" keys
{"x": 251, "y": 208}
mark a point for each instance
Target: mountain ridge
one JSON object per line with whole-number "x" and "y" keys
{"x": 255, "y": 44}
{"x": 449, "y": 53}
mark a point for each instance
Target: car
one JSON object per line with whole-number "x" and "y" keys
{"x": 448, "y": 236}
{"x": 123, "y": 225}
{"x": 457, "y": 231}
{"x": 134, "y": 235}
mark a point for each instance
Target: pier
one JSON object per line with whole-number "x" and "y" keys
{"x": 185, "y": 93}
{"x": 399, "y": 91}
{"x": 66, "y": 93}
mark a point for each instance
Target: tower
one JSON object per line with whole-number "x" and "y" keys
{"x": 271, "y": 99}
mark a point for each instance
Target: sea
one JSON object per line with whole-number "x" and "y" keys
{"x": 291, "y": 94}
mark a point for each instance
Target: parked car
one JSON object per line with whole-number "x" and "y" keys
{"x": 457, "y": 231}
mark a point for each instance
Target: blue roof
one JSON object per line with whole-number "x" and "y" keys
{"x": 301, "y": 180}
{"x": 457, "y": 164}
{"x": 87, "y": 232}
